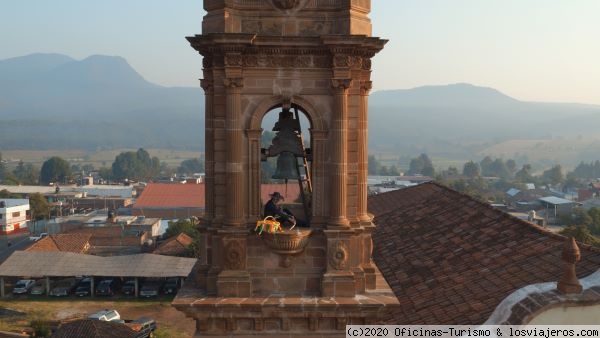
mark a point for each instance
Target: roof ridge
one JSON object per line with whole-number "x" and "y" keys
{"x": 530, "y": 226}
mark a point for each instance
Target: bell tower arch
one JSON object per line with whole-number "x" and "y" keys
{"x": 260, "y": 54}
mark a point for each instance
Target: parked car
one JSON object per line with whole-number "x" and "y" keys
{"x": 129, "y": 286}
{"x": 23, "y": 286}
{"x": 107, "y": 287}
{"x": 172, "y": 285}
{"x": 64, "y": 287}
{"x": 106, "y": 315}
{"x": 39, "y": 288}
{"x": 84, "y": 288}
{"x": 151, "y": 287}
{"x": 37, "y": 238}
{"x": 143, "y": 326}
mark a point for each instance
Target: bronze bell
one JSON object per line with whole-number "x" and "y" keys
{"x": 287, "y": 167}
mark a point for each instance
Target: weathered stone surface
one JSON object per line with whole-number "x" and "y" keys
{"x": 313, "y": 56}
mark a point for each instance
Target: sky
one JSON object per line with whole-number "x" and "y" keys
{"x": 532, "y": 50}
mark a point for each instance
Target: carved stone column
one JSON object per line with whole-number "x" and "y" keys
{"x": 339, "y": 154}
{"x": 234, "y": 162}
{"x": 363, "y": 153}
{"x": 209, "y": 157}
{"x": 319, "y": 177}
{"x": 253, "y": 177}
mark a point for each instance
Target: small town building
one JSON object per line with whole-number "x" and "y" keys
{"x": 14, "y": 215}
{"x": 175, "y": 246}
{"x": 109, "y": 234}
{"x": 170, "y": 201}
{"x": 556, "y": 206}
{"x": 77, "y": 243}
{"x": 91, "y": 328}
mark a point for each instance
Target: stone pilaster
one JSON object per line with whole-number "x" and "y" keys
{"x": 234, "y": 159}
{"x": 209, "y": 151}
{"x": 320, "y": 205}
{"x": 253, "y": 175}
{"x": 339, "y": 154}
{"x": 363, "y": 153}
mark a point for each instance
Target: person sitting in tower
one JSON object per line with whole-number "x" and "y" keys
{"x": 282, "y": 215}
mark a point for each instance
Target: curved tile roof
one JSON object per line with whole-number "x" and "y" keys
{"x": 451, "y": 259}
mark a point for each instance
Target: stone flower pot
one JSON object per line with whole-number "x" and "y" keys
{"x": 288, "y": 242}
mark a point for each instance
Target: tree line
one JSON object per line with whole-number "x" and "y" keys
{"x": 488, "y": 167}
{"x": 133, "y": 165}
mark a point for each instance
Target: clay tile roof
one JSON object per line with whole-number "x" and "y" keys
{"x": 451, "y": 259}
{"x": 94, "y": 328}
{"x": 161, "y": 195}
{"x": 175, "y": 246}
{"x": 77, "y": 243}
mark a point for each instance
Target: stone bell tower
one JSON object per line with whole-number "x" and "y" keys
{"x": 308, "y": 55}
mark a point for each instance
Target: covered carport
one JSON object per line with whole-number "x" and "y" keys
{"x": 36, "y": 264}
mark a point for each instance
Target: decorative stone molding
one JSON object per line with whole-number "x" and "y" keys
{"x": 235, "y": 255}
{"x": 207, "y": 62}
{"x": 523, "y": 305}
{"x": 207, "y": 85}
{"x": 347, "y": 61}
{"x": 366, "y": 64}
{"x": 276, "y": 61}
{"x": 235, "y": 82}
{"x": 365, "y": 87}
{"x": 234, "y": 60}
{"x": 338, "y": 255}
{"x": 286, "y": 4}
{"x": 341, "y": 83}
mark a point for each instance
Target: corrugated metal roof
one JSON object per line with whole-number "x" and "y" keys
{"x": 65, "y": 264}
{"x": 513, "y": 192}
{"x": 555, "y": 200}
{"x": 14, "y": 202}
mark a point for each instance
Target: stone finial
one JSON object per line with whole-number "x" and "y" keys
{"x": 568, "y": 283}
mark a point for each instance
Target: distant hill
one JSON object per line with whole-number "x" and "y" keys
{"x": 94, "y": 103}
{"x": 461, "y": 120}
{"x": 51, "y": 101}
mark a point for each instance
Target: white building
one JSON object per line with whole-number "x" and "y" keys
{"x": 14, "y": 215}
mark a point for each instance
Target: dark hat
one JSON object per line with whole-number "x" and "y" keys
{"x": 277, "y": 195}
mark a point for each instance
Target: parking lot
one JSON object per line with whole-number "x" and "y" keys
{"x": 170, "y": 322}
{"x": 97, "y": 287}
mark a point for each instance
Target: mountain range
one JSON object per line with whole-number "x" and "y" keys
{"x": 98, "y": 102}
{"x": 52, "y": 101}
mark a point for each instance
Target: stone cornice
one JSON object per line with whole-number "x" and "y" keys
{"x": 224, "y": 43}
{"x": 320, "y": 5}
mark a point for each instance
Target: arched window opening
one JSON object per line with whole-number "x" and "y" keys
{"x": 286, "y": 159}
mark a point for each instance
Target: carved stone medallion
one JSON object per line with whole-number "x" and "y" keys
{"x": 338, "y": 255}
{"x": 234, "y": 256}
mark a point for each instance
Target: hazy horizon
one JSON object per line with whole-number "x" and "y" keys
{"x": 543, "y": 51}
